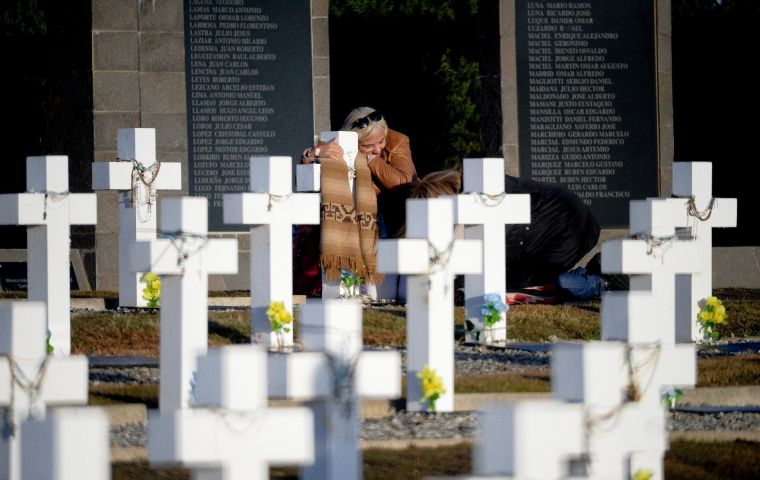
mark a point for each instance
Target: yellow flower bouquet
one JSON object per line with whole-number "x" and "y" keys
{"x": 432, "y": 387}
{"x": 152, "y": 290}
{"x": 711, "y": 314}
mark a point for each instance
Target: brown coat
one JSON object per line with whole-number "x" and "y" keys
{"x": 394, "y": 166}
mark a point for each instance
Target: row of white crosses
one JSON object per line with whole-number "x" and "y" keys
{"x": 431, "y": 257}
{"x": 331, "y": 376}
{"x": 212, "y": 414}
{"x": 212, "y": 408}
{"x": 606, "y": 419}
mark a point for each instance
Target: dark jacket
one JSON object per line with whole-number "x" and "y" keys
{"x": 562, "y": 230}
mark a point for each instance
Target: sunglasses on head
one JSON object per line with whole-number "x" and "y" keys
{"x": 363, "y": 122}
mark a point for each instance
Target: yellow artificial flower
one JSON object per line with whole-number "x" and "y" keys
{"x": 719, "y": 314}
{"x": 712, "y": 313}
{"x": 713, "y": 301}
{"x": 432, "y": 386}
{"x": 278, "y": 316}
{"x": 642, "y": 474}
{"x": 152, "y": 290}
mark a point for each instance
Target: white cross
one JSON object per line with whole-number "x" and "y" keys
{"x": 485, "y": 209}
{"x": 531, "y": 440}
{"x": 308, "y": 176}
{"x": 69, "y": 444}
{"x": 431, "y": 257}
{"x": 332, "y": 376}
{"x": 647, "y": 312}
{"x": 695, "y": 179}
{"x": 30, "y": 380}
{"x": 183, "y": 258}
{"x": 49, "y": 210}
{"x": 136, "y": 148}
{"x": 272, "y": 209}
{"x": 231, "y": 434}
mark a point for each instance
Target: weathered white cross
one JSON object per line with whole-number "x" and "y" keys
{"x": 137, "y": 177}
{"x": 701, "y": 212}
{"x": 619, "y": 386}
{"x": 431, "y": 257}
{"x": 184, "y": 258}
{"x": 485, "y": 209}
{"x": 653, "y": 259}
{"x": 69, "y": 444}
{"x": 30, "y": 379}
{"x": 332, "y": 376}
{"x": 271, "y": 208}
{"x": 49, "y": 210}
{"x": 620, "y": 382}
{"x": 230, "y": 434}
{"x": 535, "y": 439}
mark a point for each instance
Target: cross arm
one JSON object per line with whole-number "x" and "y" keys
{"x": 262, "y": 208}
{"x": 83, "y": 209}
{"x": 66, "y": 381}
{"x": 308, "y": 177}
{"x": 118, "y": 176}
{"x": 632, "y": 256}
{"x": 160, "y": 256}
{"x": 202, "y": 437}
{"x": 308, "y": 375}
{"x": 403, "y": 256}
{"x": 478, "y": 208}
{"x": 22, "y": 209}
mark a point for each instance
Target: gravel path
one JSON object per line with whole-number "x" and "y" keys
{"x": 457, "y": 425}
{"x": 464, "y": 425}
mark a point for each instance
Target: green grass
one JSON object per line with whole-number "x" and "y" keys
{"x": 686, "y": 460}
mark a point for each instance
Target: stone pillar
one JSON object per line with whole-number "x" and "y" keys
{"x": 138, "y": 80}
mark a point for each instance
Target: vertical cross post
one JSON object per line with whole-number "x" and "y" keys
{"x": 693, "y": 180}
{"x": 183, "y": 257}
{"x": 653, "y": 258}
{"x": 49, "y": 210}
{"x": 431, "y": 257}
{"x": 231, "y": 434}
{"x": 485, "y": 209}
{"x": 138, "y": 177}
{"x": 332, "y": 375}
{"x": 514, "y": 439}
{"x": 30, "y": 380}
{"x": 271, "y": 208}
{"x": 69, "y": 444}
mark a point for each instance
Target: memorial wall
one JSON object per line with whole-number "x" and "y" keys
{"x": 587, "y": 111}
{"x": 249, "y": 91}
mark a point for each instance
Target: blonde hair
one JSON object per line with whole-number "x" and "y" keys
{"x": 434, "y": 184}
{"x": 371, "y": 129}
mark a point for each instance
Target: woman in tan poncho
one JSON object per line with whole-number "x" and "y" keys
{"x": 349, "y": 226}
